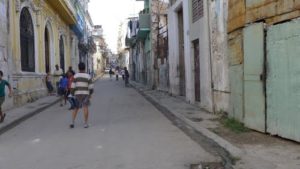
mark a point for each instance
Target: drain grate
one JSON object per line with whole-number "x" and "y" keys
{"x": 208, "y": 166}
{"x": 190, "y": 113}
{"x": 195, "y": 119}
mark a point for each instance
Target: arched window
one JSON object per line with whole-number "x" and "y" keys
{"x": 27, "y": 41}
{"x": 47, "y": 51}
{"x": 62, "y": 53}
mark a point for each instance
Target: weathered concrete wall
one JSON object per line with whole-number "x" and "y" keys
{"x": 200, "y": 30}
{"x": 243, "y": 12}
{"x": 174, "y": 73}
{"x": 236, "y": 75}
{"x": 163, "y": 84}
{"x": 219, "y": 55}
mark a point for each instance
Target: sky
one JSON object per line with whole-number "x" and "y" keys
{"x": 110, "y": 13}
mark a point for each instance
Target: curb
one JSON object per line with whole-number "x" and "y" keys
{"x": 26, "y": 116}
{"x": 228, "y": 152}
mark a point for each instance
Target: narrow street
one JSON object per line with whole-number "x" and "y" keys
{"x": 126, "y": 132}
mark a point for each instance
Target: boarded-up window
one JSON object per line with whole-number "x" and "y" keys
{"x": 197, "y": 10}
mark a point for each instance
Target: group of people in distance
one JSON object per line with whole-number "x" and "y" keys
{"x": 76, "y": 88}
{"x": 122, "y": 72}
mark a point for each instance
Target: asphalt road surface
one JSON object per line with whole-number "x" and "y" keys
{"x": 126, "y": 132}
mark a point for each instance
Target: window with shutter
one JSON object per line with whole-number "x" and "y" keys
{"x": 197, "y": 10}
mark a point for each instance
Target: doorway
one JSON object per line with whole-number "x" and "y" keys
{"x": 197, "y": 70}
{"x": 181, "y": 53}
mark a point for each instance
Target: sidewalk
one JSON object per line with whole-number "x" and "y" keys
{"x": 248, "y": 150}
{"x": 17, "y": 115}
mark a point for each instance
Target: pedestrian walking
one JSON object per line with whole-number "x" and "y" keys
{"x": 71, "y": 70}
{"x": 58, "y": 72}
{"x": 117, "y": 74}
{"x": 110, "y": 73}
{"x": 82, "y": 88}
{"x": 123, "y": 74}
{"x": 70, "y": 97}
{"x": 63, "y": 88}
{"x": 126, "y": 77}
{"x": 49, "y": 83}
{"x": 3, "y": 83}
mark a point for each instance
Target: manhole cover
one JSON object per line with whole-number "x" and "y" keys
{"x": 208, "y": 166}
{"x": 195, "y": 119}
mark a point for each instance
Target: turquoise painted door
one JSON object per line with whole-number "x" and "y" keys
{"x": 254, "y": 96}
{"x": 283, "y": 81}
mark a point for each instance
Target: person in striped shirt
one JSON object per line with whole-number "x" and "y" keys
{"x": 82, "y": 89}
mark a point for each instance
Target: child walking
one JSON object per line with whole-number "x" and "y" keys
{"x": 63, "y": 88}
{"x": 71, "y": 99}
{"x": 82, "y": 88}
{"x": 3, "y": 83}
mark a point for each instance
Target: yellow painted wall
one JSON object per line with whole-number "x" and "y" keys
{"x": 31, "y": 85}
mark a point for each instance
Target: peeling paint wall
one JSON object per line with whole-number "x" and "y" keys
{"x": 218, "y": 36}
{"x": 201, "y": 30}
{"x": 174, "y": 68}
{"x": 235, "y": 52}
{"x": 242, "y": 12}
{"x": 283, "y": 82}
{"x": 29, "y": 86}
{"x": 281, "y": 25}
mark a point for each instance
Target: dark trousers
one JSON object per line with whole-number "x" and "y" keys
{"x": 49, "y": 86}
{"x": 72, "y": 102}
{"x": 126, "y": 81}
{"x": 57, "y": 88}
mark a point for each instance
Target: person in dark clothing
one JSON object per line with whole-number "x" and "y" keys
{"x": 126, "y": 76}
{"x": 49, "y": 83}
{"x": 71, "y": 70}
{"x": 110, "y": 73}
{"x": 63, "y": 88}
{"x": 117, "y": 73}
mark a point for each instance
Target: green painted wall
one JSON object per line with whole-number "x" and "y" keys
{"x": 254, "y": 96}
{"x": 283, "y": 82}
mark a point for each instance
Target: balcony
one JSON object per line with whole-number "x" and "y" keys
{"x": 145, "y": 24}
{"x": 130, "y": 41}
{"x": 64, "y": 9}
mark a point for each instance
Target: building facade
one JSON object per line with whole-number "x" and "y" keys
{"x": 197, "y": 53}
{"x": 38, "y": 37}
{"x": 35, "y": 36}
{"x": 263, "y": 42}
{"x": 146, "y": 36}
{"x": 99, "y": 57}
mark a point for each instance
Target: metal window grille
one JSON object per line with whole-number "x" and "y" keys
{"x": 27, "y": 41}
{"x": 197, "y": 7}
{"x": 62, "y": 53}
